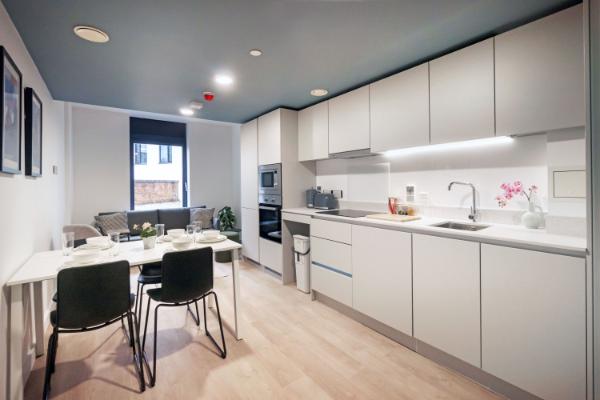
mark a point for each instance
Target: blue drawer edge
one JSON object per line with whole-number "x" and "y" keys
{"x": 337, "y": 271}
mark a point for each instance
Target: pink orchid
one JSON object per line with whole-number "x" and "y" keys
{"x": 512, "y": 190}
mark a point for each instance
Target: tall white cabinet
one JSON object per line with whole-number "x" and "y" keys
{"x": 533, "y": 321}
{"x": 381, "y": 281}
{"x": 400, "y": 110}
{"x": 349, "y": 121}
{"x": 446, "y": 295}
{"x": 462, "y": 94}
{"x": 540, "y": 75}
{"x": 249, "y": 188}
{"x": 313, "y": 132}
{"x": 269, "y": 138}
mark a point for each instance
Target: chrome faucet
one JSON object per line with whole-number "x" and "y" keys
{"x": 474, "y": 213}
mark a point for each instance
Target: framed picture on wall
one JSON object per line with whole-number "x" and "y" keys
{"x": 33, "y": 133}
{"x": 10, "y": 110}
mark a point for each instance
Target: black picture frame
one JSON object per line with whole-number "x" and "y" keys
{"x": 33, "y": 133}
{"x": 11, "y": 117}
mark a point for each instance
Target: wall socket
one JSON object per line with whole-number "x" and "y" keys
{"x": 55, "y": 169}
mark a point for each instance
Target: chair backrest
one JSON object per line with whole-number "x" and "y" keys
{"x": 81, "y": 231}
{"x": 92, "y": 295}
{"x": 186, "y": 275}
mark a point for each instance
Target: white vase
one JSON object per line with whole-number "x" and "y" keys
{"x": 149, "y": 242}
{"x": 532, "y": 219}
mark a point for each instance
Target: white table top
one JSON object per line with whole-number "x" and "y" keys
{"x": 46, "y": 264}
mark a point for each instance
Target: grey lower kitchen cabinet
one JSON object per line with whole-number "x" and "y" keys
{"x": 446, "y": 295}
{"x": 382, "y": 276}
{"x": 533, "y": 320}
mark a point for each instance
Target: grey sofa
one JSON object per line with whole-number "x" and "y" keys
{"x": 173, "y": 218}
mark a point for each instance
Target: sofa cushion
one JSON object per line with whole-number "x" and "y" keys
{"x": 139, "y": 217}
{"x": 202, "y": 217}
{"x": 174, "y": 218}
{"x": 116, "y": 222}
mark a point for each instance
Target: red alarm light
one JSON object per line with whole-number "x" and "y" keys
{"x": 209, "y": 96}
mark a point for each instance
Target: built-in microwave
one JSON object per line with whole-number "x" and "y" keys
{"x": 269, "y": 184}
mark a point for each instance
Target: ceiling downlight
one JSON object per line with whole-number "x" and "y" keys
{"x": 91, "y": 34}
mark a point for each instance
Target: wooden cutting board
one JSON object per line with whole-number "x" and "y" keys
{"x": 394, "y": 217}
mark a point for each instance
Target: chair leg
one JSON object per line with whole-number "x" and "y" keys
{"x": 223, "y": 349}
{"x": 54, "y": 351}
{"x": 196, "y": 317}
{"x": 137, "y": 297}
{"x": 141, "y": 297}
{"x": 49, "y": 357}
{"x": 137, "y": 359}
{"x": 146, "y": 325}
{"x": 153, "y": 377}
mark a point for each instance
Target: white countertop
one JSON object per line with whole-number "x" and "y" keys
{"x": 507, "y": 235}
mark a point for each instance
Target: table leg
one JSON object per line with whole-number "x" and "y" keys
{"x": 38, "y": 318}
{"x": 235, "y": 266}
{"x": 14, "y": 387}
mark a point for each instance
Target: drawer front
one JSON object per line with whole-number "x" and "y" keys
{"x": 271, "y": 255}
{"x": 337, "y": 231}
{"x": 334, "y": 256}
{"x": 300, "y": 218}
{"x": 331, "y": 284}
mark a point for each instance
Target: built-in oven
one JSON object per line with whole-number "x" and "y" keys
{"x": 269, "y": 222}
{"x": 269, "y": 184}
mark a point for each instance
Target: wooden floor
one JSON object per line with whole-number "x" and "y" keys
{"x": 293, "y": 349}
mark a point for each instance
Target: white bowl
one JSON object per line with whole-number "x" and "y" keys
{"x": 182, "y": 243}
{"x": 211, "y": 234}
{"x": 98, "y": 241}
{"x": 85, "y": 255}
{"x": 175, "y": 233}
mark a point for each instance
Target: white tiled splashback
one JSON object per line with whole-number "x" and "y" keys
{"x": 372, "y": 180}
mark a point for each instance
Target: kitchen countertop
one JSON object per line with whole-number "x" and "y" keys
{"x": 498, "y": 234}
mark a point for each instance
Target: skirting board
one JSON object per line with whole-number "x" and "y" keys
{"x": 440, "y": 357}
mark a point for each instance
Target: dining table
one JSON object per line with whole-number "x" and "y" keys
{"x": 45, "y": 265}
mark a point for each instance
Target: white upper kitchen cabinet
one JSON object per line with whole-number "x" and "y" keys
{"x": 249, "y": 164}
{"x": 269, "y": 138}
{"x": 382, "y": 276}
{"x": 540, "y": 75}
{"x": 533, "y": 321}
{"x": 349, "y": 121}
{"x": 250, "y": 247}
{"x": 446, "y": 291}
{"x": 400, "y": 110}
{"x": 313, "y": 132}
{"x": 462, "y": 94}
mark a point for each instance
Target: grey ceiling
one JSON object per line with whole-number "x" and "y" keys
{"x": 162, "y": 54}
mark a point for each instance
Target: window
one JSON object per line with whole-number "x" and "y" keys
{"x": 166, "y": 154}
{"x": 140, "y": 154}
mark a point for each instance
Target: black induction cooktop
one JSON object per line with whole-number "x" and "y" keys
{"x": 347, "y": 213}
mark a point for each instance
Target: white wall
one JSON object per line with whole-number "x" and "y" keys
{"x": 31, "y": 210}
{"x": 100, "y": 163}
{"x": 100, "y": 158}
{"x": 214, "y": 165}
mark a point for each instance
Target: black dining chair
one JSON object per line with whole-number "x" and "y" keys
{"x": 187, "y": 276}
{"x": 150, "y": 274}
{"x": 90, "y": 298}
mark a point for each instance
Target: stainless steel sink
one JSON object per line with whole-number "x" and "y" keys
{"x": 460, "y": 226}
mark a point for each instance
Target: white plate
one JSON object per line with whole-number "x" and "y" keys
{"x": 166, "y": 238}
{"x": 217, "y": 239}
{"x": 89, "y": 246}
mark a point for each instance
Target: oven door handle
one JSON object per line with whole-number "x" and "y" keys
{"x": 268, "y": 208}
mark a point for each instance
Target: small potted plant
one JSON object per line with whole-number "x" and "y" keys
{"x": 226, "y": 219}
{"x": 531, "y": 219}
{"x": 148, "y": 234}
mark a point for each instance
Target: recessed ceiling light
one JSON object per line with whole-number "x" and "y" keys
{"x": 224, "y": 80}
{"x": 91, "y": 34}
{"x": 188, "y": 112}
{"x": 319, "y": 92}
{"x": 255, "y": 52}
